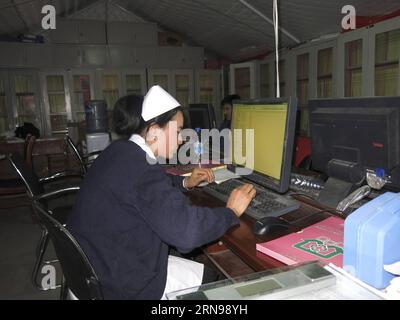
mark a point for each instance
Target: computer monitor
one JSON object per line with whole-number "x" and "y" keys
{"x": 202, "y": 116}
{"x": 363, "y": 133}
{"x": 273, "y": 121}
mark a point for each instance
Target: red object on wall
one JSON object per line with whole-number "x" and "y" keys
{"x": 303, "y": 150}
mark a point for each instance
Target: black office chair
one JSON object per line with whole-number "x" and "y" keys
{"x": 36, "y": 191}
{"x": 79, "y": 275}
{"x": 84, "y": 160}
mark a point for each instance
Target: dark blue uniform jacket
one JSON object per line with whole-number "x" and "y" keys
{"x": 126, "y": 216}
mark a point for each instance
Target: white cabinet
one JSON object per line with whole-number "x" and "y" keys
{"x": 134, "y": 81}
{"x": 91, "y": 32}
{"x": 25, "y": 98}
{"x": 183, "y": 86}
{"x": 145, "y": 57}
{"x": 92, "y": 55}
{"x": 208, "y": 90}
{"x": 67, "y": 55}
{"x": 38, "y": 55}
{"x": 162, "y": 77}
{"x": 179, "y": 57}
{"x": 243, "y": 79}
{"x": 82, "y": 88}
{"x": 78, "y": 31}
{"x": 139, "y": 34}
{"x": 12, "y": 54}
{"x": 120, "y": 55}
{"x": 57, "y": 101}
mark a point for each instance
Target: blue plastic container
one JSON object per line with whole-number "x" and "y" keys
{"x": 372, "y": 239}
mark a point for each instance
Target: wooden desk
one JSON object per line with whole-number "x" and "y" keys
{"x": 49, "y": 156}
{"x": 241, "y": 241}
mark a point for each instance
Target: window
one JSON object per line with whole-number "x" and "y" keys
{"x": 242, "y": 82}
{"x": 325, "y": 61}
{"x": 133, "y": 84}
{"x": 3, "y": 108}
{"x": 264, "y": 80}
{"x": 281, "y": 78}
{"x": 56, "y": 96}
{"x": 302, "y": 92}
{"x": 182, "y": 89}
{"x": 387, "y": 54}
{"x": 81, "y": 92}
{"x": 25, "y": 96}
{"x": 206, "y": 81}
{"x": 353, "y": 68}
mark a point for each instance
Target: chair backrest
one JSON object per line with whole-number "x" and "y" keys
{"x": 75, "y": 151}
{"x": 28, "y": 149}
{"x": 31, "y": 180}
{"x": 79, "y": 274}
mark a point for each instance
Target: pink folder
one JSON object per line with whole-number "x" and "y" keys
{"x": 321, "y": 241}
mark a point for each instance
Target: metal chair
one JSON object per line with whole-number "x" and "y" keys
{"x": 36, "y": 191}
{"x": 78, "y": 273}
{"x": 13, "y": 190}
{"x": 84, "y": 160}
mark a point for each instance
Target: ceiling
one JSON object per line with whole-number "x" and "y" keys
{"x": 228, "y": 28}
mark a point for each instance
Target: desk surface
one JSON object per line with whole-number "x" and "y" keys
{"x": 241, "y": 240}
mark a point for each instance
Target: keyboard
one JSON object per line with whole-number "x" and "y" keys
{"x": 265, "y": 204}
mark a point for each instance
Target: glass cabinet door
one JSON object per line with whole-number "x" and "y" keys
{"x": 134, "y": 82}
{"x": 208, "y": 89}
{"x": 4, "y": 119}
{"x": 183, "y": 87}
{"x": 82, "y": 91}
{"x": 243, "y": 79}
{"x": 24, "y": 91}
{"x": 160, "y": 77}
{"x": 57, "y": 105}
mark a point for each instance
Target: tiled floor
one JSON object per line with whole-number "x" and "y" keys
{"x": 19, "y": 237}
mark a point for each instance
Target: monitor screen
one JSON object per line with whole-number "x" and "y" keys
{"x": 201, "y": 116}
{"x": 364, "y": 131}
{"x": 273, "y": 122}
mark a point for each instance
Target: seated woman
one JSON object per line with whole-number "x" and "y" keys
{"x": 129, "y": 212}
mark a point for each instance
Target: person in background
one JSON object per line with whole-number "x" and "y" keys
{"x": 226, "y": 106}
{"x": 129, "y": 212}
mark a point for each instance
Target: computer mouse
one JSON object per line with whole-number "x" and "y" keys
{"x": 270, "y": 225}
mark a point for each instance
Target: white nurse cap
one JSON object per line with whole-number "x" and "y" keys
{"x": 156, "y": 102}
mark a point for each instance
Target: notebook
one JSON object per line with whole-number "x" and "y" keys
{"x": 321, "y": 241}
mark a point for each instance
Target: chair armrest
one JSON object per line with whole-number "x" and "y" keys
{"x": 56, "y": 193}
{"x": 94, "y": 153}
{"x": 59, "y": 175}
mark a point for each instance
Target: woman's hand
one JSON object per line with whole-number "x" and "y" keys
{"x": 199, "y": 175}
{"x": 240, "y": 198}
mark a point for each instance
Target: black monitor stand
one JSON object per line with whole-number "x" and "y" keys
{"x": 344, "y": 177}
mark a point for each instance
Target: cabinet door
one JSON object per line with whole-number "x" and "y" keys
{"x": 183, "y": 86}
{"x": 81, "y": 84}
{"x": 134, "y": 82}
{"x": 25, "y": 98}
{"x": 145, "y": 57}
{"x": 67, "y": 56}
{"x": 93, "y": 55}
{"x": 6, "y": 114}
{"x": 162, "y": 77}
{"x": 243, "y": 80}
{"x": 39, "y": 55}
{"x": 56, "y": 97}
{"x": 91, "y": 32}
{"x": 208, "y": 90}
{"x": 120, "y": 55}
{"x": 66, "y": 32}
{"x": 12, "y": 54}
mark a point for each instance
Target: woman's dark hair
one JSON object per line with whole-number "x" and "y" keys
{"x": 127, "y": 116}
{"x": 229, "y": 99}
